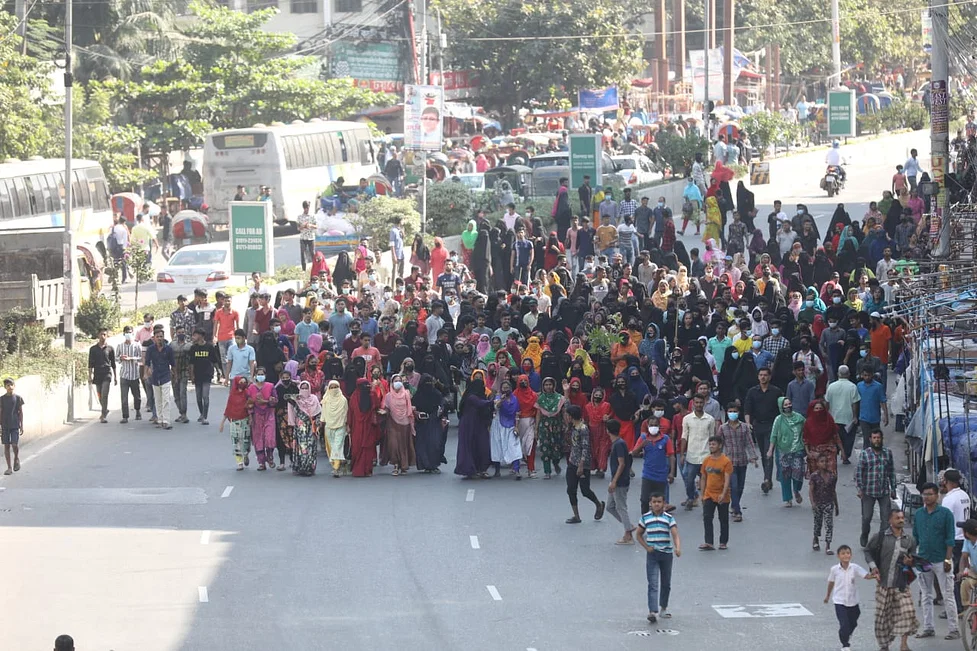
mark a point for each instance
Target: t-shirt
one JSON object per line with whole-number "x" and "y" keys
{"x": 607, "y": 236}
{"x": 339, "y": 324}
{"x": 203, "y": 357}
{"x": 958, "y": 502}
{"x": 714, "y": 473}
{"x": 523, "y": 249}
{"x": 872, "y": 395}
{"x": 656, "y": 459}
{"x": 505, "y": 334}
{"x": 841, "y": 396}
{"x": 240, "y": 359}
{"x": 620, "y": 454}
{"x": 448, "y": 281}
{"x": 225, "y": 322}
{"x": 11, "y": 404}
{"x": 658, "y": 531}
{"x": 881, "y": 336}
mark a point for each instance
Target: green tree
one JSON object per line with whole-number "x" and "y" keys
{"x": 25, "y": 96}
{"x": 142, "y": 272}
{"x": 376, "y": 216}
{"x": 764, "y": 130}
{"x": 679, "y": 151}
{"x": 521, "y": 64}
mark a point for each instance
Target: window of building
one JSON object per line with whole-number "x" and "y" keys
{"x": 255, "y": 5}
{"x": 304, "y": 6}
{"x": 348, "y": 6}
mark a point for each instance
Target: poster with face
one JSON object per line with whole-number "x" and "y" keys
{"x": 423, "y": 117}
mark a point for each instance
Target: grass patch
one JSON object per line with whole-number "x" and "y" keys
{"x": 285, "y": 273}
{"x": 52, "y": 366}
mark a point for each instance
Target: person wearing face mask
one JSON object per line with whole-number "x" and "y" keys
{"x": 526, "y": 422}
{"x": 658, "y": 451}
{"x": 285, "y": 432}
{"x": 129, "y": 354}
{"x": 333, "y": 418}
{"x": 621, "y": 351}
{"x": 398, "y": 439}
{"x": 237, "y": 413}
{"x": 813, "y": 367}
{"x": 761, "y": 358}
{"x": 743, "y": 343}
{"x": 832, "y": 346}
{"x": 181, "y": 371}
{"x": 262, "y": 399}
{"x": 505, "y": 444}
{"x": 786, "y": 438}
{"x": 145, "y": 333}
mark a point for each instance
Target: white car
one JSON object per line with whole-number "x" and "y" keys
{"x": 635, "y": 168}
{"x": 199, "y": 266}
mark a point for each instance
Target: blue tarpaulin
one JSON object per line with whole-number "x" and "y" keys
{"x": 601, "y": 99}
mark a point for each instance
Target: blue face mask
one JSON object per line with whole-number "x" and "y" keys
{"x": 259, "y": 378}
{"x": 863, "y": 353}
{"x": 775, "y": 331}
{"x": 732, "y": 416}
{"x": 756, "y": 343}
{"x": 836, "y": 300}
{"x": 808, "y": 303}
{"x": 736, "y": 354}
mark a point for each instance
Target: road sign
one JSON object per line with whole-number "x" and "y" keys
{"x": 252, "y": 237}
{"x": 759, "y": 173}
{"x": 585, "y": 159}
{"x": 841, "y": 113}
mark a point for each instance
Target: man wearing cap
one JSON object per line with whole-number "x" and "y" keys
{"x": 966, "y": 570}
{"x": 933, "y": 529}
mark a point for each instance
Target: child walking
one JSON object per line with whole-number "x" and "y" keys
{"x": 11, "y": 425}
{"x": 843, "y": 591}
{"x": 824, "y": 499}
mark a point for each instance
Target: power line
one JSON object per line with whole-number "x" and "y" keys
{"x": 20, "y": 23}
{"x": 345, "y": 32}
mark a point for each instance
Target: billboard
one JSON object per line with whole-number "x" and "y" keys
{"x": 423, "y": 117}
{"x": 252, "y": 237}
{"x": 841, "y": 113}
{"x": 600, "y": 99}
{"x": 585, "y": 159}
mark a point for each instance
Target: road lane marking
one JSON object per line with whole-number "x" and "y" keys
{"x": 474, "y": 541}
{"x": 53, "y": 444}
{"x": 202, "y": 594}
{"x": 227, "y": 491}
{"x": 761, "y": 611}
{"x": 494, "y": 592}
{"x": 205, "y": 537}
{"x": 471, "y": 495}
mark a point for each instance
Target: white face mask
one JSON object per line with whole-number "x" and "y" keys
{"x": 653, "y": 430}
{"x": 398, "y": 385}
{"x": 658, "y": 413}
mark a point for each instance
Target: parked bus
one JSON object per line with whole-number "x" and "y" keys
{"x": 296, "y": 161}
{"x": 32, "y": 197}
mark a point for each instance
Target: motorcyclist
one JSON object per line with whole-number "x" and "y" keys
{"x": 833, "y": 158}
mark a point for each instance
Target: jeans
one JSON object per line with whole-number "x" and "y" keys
{"x": 202, "y": 390}
{"x": 928, "y": 592}
{"x": 627, "y": 251}
{"x": 127, "y": 387}
{"x": 583, "y": 482}
{"x": 521, "y": 273}
{"x": 912, "y": 182}
{"x": 306, "y": 251}
{"x": 609, "y": 252}
{"x": 868, "y": 508}
{"x": 398, "y": 270}
{"x": 648, "y": 488}
{"x": 847, "y": 435}
{"x": 761, "y": 436}
{"x": 691, "y": 472}
{"x": 180, "y": 395}
{"x": 617, "y": 506}
{"x": 223, "y": 346}
{"x": 737, "y": 484}
{"x": 847, "y": 622}
{"x": 163, "y": 397}
{"x": 102, "y": 389}
{"x": 709, "y": 508}
{"x": 658, "y": 567}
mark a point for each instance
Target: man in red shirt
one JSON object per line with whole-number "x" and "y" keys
{"x": 880, "y": 336}
{"x": 263, "y": 315}
{"x": 367, "y": 352}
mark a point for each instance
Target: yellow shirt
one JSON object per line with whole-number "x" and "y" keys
{"x": 743, "y": 345}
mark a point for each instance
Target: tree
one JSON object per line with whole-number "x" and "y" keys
{"x": 764, "y": 129}
{"x": 523, "y": 65}
{"x": 142, "y": 272}
{"x": 679, "y": 151}
{"x": 377, "y": 215}
{"x": 25, "y": 101}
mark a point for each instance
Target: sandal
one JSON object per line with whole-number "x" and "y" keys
{"x": 240, "y": 466}
{"x": 722, "y": 547}
{"x": 261, "y": 466}
{"x": 797, "y": 497}
{"x": 281, "y": 467}
{"x": 573, "y": 520}
{"x": 829, "y": 551}
{"x": 817, "y": 546}
{"x": 396, "y": 472}
{"x": 737, "y": 517}
{"x": 706, "y": 548}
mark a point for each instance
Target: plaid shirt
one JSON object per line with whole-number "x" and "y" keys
{"x": 774, "y": 345}
{"x": 738, "y": 443}
{"x": 186, "y": 319}
{"x": 626, "y": 207}
{"x": 668, "y": 236}
{"x": 875, "y": 474}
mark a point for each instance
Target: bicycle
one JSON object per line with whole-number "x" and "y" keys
{"x": 968, "y": 628}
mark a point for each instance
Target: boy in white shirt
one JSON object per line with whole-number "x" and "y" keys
{"x": 843, "y": 591}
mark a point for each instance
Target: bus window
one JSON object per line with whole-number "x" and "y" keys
{"x": 369, "y": 156}
{"x": 332, "y": 148}
{"x": 289, "y": 146}
{"x": 309, "y": 148}
{"x": 319, "y": 144}
{"x": 54, "y": 191}
{"x": 6, "y": 209}
{"x": 18, "y": 194}
{"x": 100, "y": 195}
{"x": 32, "y": 192}
{"x": 342, "y": 146}
{"x": 80, "y": 195}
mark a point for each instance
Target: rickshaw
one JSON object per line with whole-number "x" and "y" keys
{"x": 519, "y": 178}
{"x": 189, "y": 227}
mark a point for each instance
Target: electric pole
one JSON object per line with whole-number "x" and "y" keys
{"x": 939, "y": 120}
{"x": 835, "y": 80}
{"x": 69, "y": 244}
{"x": 706, "y": 32}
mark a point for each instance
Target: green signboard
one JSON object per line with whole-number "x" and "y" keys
{"x": 373, "y": 61}
{"x": 585, "y": 159}
{"x": 841, "y": 113}
{"x": 252, "y": 237}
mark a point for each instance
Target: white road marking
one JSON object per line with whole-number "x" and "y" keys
{"x": 762, "y": 611}
{"x": 474, "y": 541}
{"x": 202, "y": 594}
{"x": 494, "y": 592}
{"x": 227, "y": 491}
{"x": 53, "y": 444}
{"x": 205, "y": 537}
{"x": 471, "y": 495}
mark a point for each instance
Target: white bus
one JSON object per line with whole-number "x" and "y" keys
{"x": 297, "y": 161}
{"x": 32, "y": 197}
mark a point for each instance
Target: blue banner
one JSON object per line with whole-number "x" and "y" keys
{"x": 601, "y": 99}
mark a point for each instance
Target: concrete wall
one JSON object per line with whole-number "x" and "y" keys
{"x": 45, "y": 408}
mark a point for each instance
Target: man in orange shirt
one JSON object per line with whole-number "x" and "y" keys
{"x": 716, "y": 473}
{"x": 225, "y": 323}
{"x": 620, "y": 352}
{"x": 881, "y": 337}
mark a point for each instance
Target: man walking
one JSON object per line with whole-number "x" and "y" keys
{"x": 894, "y": 611}
{"x": 101, "y": 371}
{"x": 240, "y": 359}
{"x": 586, "y": 195}
{"x": 697, "y": 427}
{"x": 307, "y": 229}
{"x": 658, "y": 469}
{"x": 738, "y": 443}
{"x": 872, "y": 407}
{"x": 181, "y": 371}
{"x": 204, "y": 360}
{"x": 761, "y": 409}
{"x": 843, "y": 402}
{"x": 934, "y": 530}
{"x": 717, "y": 473}
{"x": 396, "y": 249}
{"x": 11, "y": 425}
{"x": 578, "y": 465}
{"x": 643, "y": 217}
{"x": 911, "y": 169}
{"x": 129, "y": 355}
{"x": 875, "y": 477}
{"x": 393, "y": 169}
{"x": 617, "y": 489}
{"x": 658, "y": 534}
{"x": 158, "y": 370}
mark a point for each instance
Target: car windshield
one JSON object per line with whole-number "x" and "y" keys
{"x": 626, "y": 163}
{"x": 187, "y": 258}
{"x": 547, "y": 162}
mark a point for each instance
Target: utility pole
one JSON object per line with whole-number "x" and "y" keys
{"x": 422, "y": 8}
{"x": 939, "y": 120}
{"x": 706, "y": 44}
{"x": 69, "y": 244}
{"x": 835, "y": 80}
{"x": 442, "y": 46}
{"x": 729, "y": 91}
{"x": 20, "y": 13}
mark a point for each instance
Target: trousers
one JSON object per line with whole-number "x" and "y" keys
{"x": 127, "y": 387}
{"x": 202, "y": 391}
{"x": 824, "y": 514}
{"x": 306, "y": 251}
{"x": 868, "y": 508}
{"x": 928, "y": 593}
{"x": 737, "y": 484}
{"x": 180, "y": 395}
{"x": 163, "y": 396}
{"x": 583, "y": 482}
{"x": 658, "y": 568}
{"x": 617, "y": 506}
{"x": 761, "y": 436}
{"x": 691, "y": 472}
{"x": 102, "y": 389}
{"x": 709, "y": 508}
{"x": 847, "y": 622}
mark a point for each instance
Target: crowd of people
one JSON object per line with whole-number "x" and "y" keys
{"x": 580, "y": 351}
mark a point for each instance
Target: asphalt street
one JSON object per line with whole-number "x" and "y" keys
{"x": 129, "y": 537}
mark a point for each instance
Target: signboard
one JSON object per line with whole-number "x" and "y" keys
{"x": 927, "y": 22}
{"x": 601, "y": 99}
{"x": 252, "y": 237}
{"x": 585, "y": 159}
{"x": 366, "y": 61}
{"x": 697, "y": 72}
{"x": 759, "y": 173}
{"x": 841, "y": 113}
{"x": 423, "y": 117}
{"x": 939, "y": 108}
{"x": 456, "y": 83}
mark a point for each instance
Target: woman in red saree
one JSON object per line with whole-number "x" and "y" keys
{"x": 595, "y": 412}
{"x": 364, "y": 428}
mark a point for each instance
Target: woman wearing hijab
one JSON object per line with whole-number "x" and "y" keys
{"x": 727, "y": 376}
{"x": 363, "y": 427}
{"x": 533, "y": 352}
{"x": 474, "y": 455}
{"x": 820, "y": 436}
{"x": 505, "y": 444}
{"x": 468, "y": 238}
{"x": 269, "y": 356}
{"x": 595, "y": 414}
{"x": 481, "y": 266}
{"x": 756, "y": 248}
{"x": 344, "y": 270}
{"x": 237, "y": 412}
{"x": 284, "y": 432}
{"x": 550, "y": 427}
{"x": 681, "y": 255}
{"x": 262, "y": 399}
{"x": 302, "y": 409}
{"x": 430, "y": 438}
{"x": 526, "y": 422}
{"x": 398, "y": 446}
{"x": 313, "y": 375}
{"x": 334, "y": 417}
{"x": 501, "y": 255}
{"x": 529, "y": 371}
{"x": 745, "y": 204}
{"x": 714, "y": 220}
{"x": 636, "y": 384}
{"x": 786, "y": 438}
{"x": 840, "y": 216}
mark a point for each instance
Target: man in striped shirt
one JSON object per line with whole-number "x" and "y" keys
{"x": 658, "y": 534}
{"x": 129, "y": 356}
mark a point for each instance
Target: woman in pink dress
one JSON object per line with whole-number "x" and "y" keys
{"x": 262, "y": 400}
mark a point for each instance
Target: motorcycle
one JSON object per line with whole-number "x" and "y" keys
{"x": 832, "y": 182}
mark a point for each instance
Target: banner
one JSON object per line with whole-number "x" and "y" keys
{"x": 926, "y": 20}
{"x": 697, "y": 71}
{"x": 423, "y": 117}
{"x": 252, "y": 237}
{"x": 603, "y": 99}
{"x": 585, "y": 159}
{"x": 841, "y": 113}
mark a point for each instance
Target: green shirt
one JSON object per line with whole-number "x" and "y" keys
{"x": 934, "y": 532}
